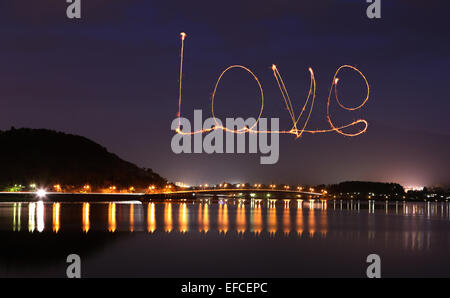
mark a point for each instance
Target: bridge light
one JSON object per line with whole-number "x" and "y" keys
{"x": 41, "y": 193}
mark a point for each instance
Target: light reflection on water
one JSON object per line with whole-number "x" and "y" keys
{"x": 112, "y": 217}
{"x": 183, "y": 218}
{"x": 168, "y": 217}
{"x": 151, "y": 220}
{"x": 56, "y": 216}
{"x": 86, "y": 222}
{"x": 398, "y": 223}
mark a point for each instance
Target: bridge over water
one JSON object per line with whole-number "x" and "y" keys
{"x": 232, "y": 192}
{"x": 161, "y": 195}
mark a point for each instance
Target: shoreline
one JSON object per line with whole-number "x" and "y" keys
{"x": 99, "y": 197}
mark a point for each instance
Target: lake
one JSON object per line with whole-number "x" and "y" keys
{"x": 225, "y": 238}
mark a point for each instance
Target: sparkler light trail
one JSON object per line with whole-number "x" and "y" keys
{"x": 295, "y": 130}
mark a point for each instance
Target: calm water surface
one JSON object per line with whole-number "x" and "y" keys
{"x": 233, "y": 238}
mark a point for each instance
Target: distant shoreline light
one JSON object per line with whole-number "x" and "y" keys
{"x": 414, "y": 188}
{"x": 41, "y": 193}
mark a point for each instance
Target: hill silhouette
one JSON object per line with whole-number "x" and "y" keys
{"x": 47, "y": 157}
{"x": 366, "y": 187}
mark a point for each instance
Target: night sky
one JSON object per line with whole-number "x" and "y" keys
{"x": 113, "y": 77}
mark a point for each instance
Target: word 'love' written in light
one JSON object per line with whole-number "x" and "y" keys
{"x": 298, "y": 128}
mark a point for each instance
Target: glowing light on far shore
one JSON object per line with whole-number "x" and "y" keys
{"x": 41, "y": 193}
{"x": 414, "y": 188}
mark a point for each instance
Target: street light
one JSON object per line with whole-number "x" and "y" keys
{"x": 41, "y": 193}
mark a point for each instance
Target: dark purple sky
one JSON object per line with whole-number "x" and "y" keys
{"x": 113, "y": 76}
